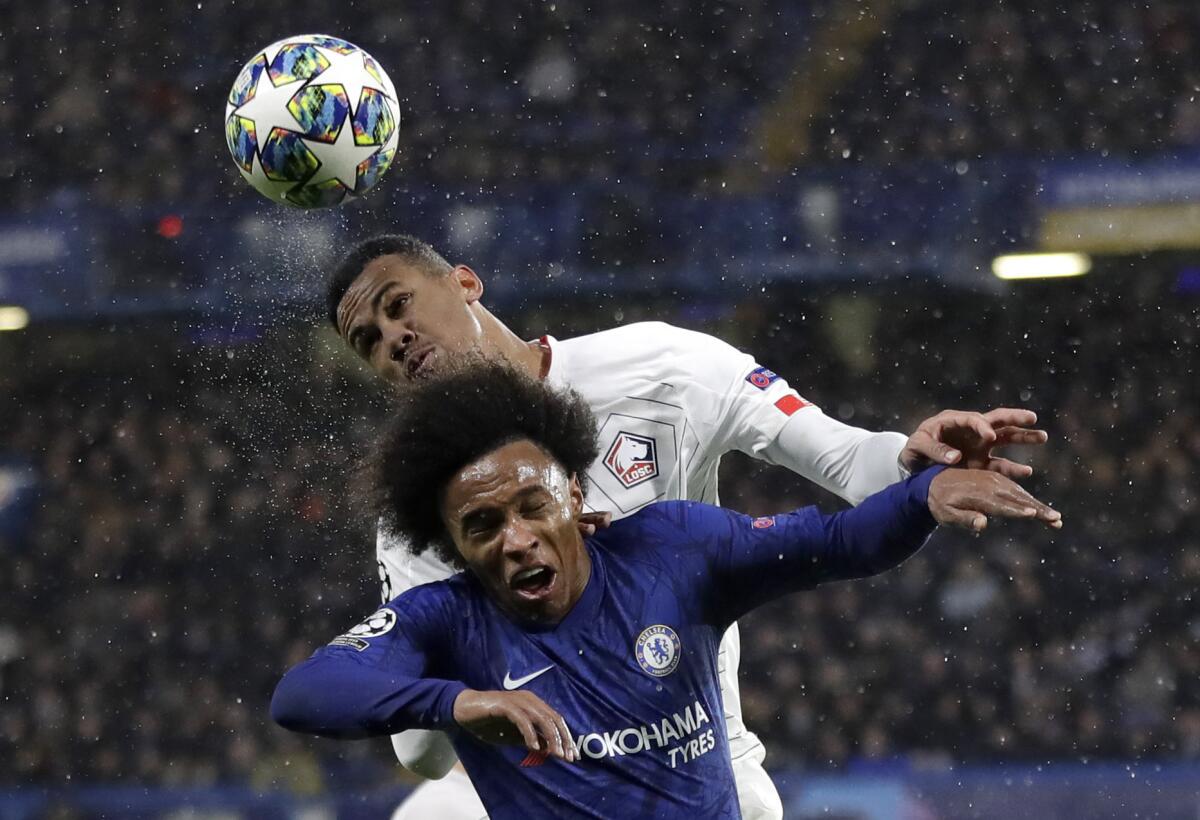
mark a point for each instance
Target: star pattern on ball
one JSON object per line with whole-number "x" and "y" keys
{"x": 273, "y": 189}
{"x": 349, "y": 71}
{"x": 268, "y": 107}
{"x": 340, "y": 159}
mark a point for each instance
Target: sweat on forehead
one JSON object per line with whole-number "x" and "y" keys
{"x": 362, "y": 292}
{"x": 520, "y": 460}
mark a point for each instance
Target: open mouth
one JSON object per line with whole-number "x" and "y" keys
{"x": 417, "y": 362}
{"x": 533, "y": 583}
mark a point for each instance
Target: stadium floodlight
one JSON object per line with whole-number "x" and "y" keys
{"x": 1041, "y": 265}
{"x": 13, "y": 317}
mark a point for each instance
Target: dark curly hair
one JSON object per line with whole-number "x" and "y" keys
{"x": 446, "y": 423}
{"x": 419, "y": 253}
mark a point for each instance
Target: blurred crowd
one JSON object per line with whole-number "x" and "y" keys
{"x": 958, "y": 81}
{"x": 195, "y": 534}
{"x": 126, "y": 107}
{"x": 181, "y": 550}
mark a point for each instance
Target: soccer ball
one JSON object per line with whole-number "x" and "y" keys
{"x": 312, "y": 120}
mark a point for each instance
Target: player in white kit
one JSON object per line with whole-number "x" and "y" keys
{"x": 669, "y": 403}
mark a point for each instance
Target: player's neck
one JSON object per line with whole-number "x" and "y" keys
{"x": 509, "y": 345}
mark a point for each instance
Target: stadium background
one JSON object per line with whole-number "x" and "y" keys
{"x": 823, "y": 184}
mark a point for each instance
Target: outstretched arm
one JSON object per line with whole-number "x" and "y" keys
{"x": 848, "y": 461}
{"x": 853, "y": 463}
{"x": 747, "y": 562}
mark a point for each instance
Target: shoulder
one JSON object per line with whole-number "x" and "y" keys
{"x": 654, "y": 351}
{"x": 640, "y": 337}
{"x": 665, "y": 524}
{"x": 435, "y": 599}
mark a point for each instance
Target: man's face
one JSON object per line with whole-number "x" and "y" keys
{"x": 512, "y": 515}
{"x": 406, "y": 323}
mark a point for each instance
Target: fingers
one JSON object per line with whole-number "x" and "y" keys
{"x": 561, "y": 723}
{"x": 542, "y": 728}
{"x": 528, "y": 731}
{"x": 1015, "y": 435}
{"x": 966, "y": 498}
{"x": 1010, "y": 500}
{"x": 1009, "y": 469}
{"x": 553, "y": 730}
{"x": 590, "y": 523}
{"x": 931, "y": 440}
{"x": 1010, "y": 416}
{"x": 1020, "y": 435}
{"x": 950, "y": 419}
{"x": 927, "y": 450}
{"x": 1038, "y": 509}
{"x": 966, "y": 519}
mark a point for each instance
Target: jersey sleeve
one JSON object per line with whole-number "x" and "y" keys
{"x": 848, "y": 461}
{"x": 759, "y": 414}
{"x": 737, "y": 563}
{"x": 749, "y": 403}
{"x": 374, "y": 679}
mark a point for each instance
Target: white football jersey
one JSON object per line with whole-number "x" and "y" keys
{"x": 669, "y": 403}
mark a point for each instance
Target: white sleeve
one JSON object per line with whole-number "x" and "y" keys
{"x": 425, "y": 753}
{"x": 848, "y": 461}
{"x": 400, "y": 570}
{"x": 762, "y": 416}
{"x": 422, "y": 752}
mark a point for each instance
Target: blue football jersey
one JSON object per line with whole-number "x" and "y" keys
{"x": 632, "y": 668}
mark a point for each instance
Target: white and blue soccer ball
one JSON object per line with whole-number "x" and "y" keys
{"x": 312, "y": 120}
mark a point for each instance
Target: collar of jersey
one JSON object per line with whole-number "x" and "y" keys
{"x": 554, "y": 375}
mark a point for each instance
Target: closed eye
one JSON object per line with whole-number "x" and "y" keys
{"x": 534, "y": 506}
{"x": 480, "y": 523}
{"x": 363, "y": 341}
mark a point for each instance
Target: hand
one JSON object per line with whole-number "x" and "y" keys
{"x": 591, "y": 523}
{"x": 965, "y": 498}
{"x": 966, "y": 439}
{"x": 514, "y": 718}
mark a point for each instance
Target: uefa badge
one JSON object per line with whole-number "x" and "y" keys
{"x": 378, "y": 624}
{"x": 762, "y": 378}
{"x": 657, "y": 650}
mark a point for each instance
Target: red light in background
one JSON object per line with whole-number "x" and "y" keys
{"x": 170, "y": 226}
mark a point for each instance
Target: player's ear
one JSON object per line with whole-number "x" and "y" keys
{"x": 576, "y": 497}
{"x": 468, "y": 282}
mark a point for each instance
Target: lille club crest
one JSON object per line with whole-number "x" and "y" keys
{"x": 632, "y": 459}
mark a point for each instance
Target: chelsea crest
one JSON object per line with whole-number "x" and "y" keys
{"x": 657, "y": 650}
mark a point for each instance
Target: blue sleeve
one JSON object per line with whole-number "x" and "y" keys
{"x": 372, "y": 680}
{"x": 745, "y": 562}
